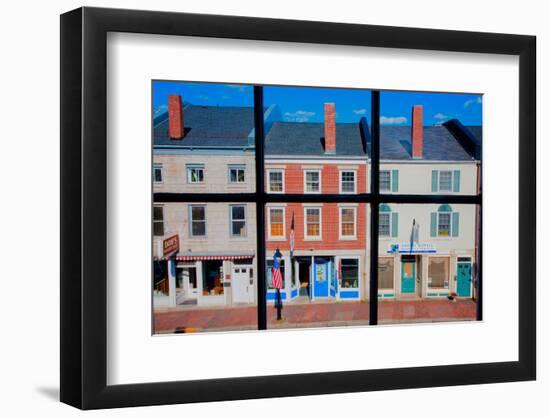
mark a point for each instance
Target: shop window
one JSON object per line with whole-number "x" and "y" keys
{"x": 313, "y": 222}
{"x": 157, "y": 173}
{"x": 158, "y": 221}
{"x": 385, "y": 273}
{"x": 347, "y": 182}
{"x": 197, "y": 220}
{"x": 269, "y": 272}
{"x": 438, "y": 272}
{"x": 276, "y": 182}
{"x": 212, "y": 278}
{"x": 160, "y": 277}
{"x": 312, "y": 181}
{"x": 195, "y": 174}
{"x": 237, "y": 174}
{"x": 276, "y": 221}
{"x": 347, "y": 222}
{"x": 350, "y": 273}
{"x": 238, "y": 221}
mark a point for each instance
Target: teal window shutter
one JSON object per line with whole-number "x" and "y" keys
{"x": 394, "y": 180}
{"x": 455, "y": 224}
{"x": 433, "y": 224}
{"x": 456, "y": 181}
{"x": 434, "y": 181}
{"x": 394, "y": 224}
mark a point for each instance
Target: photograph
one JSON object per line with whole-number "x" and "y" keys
{"x": 316, "y": 254}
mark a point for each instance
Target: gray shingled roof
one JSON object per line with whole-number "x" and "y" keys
{"x": 231, "y": 126}
{"x": 438, "y": 144}
{"x": 291, "y": 138}
{"x": 209, "y": 126}
{"x": 477, "y": 131}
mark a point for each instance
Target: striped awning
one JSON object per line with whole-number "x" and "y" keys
{"x": 211, "y": 257}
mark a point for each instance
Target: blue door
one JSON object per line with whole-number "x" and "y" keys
{"x": 464, "y": 279}
{"x": 320, "y": 277}
{"x": 408, "y": 275}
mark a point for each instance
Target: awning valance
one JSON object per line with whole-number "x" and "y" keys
{"x": 211, "y": 257}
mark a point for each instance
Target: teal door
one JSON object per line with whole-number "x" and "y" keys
{"x": 408, "y": 276}
{"x": 463, "y": 279}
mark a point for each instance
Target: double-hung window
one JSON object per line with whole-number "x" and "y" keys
{"x": 446, "y": 181}
{"x": 385, "y": 180}
{"x": 237, "y": 218}
{"x": 384, "y": 225}
{"x": 157, "y": 173}
{"x": 195, "y": 173}
{"x": 276, "y": 181}
{"x": 312, "y": 181}
{"x": 237, "y": 174}
{"x": 197, "y": 221}
{"x": 158, "y": 220}
{"x": 347, "y": 182}
{"x": 347, "y": 222}
{"x": 313, "y": 224}
{"x": 276, "y": 219}
{"x": 444, "y": 224}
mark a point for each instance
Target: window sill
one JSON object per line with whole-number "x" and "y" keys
{"x": 348, "y": 238}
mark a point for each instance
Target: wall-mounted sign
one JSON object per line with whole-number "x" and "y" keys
{"x": 414, "y": 248}
{"x": 170, "y": 245}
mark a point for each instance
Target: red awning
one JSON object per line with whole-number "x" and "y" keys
{"x": 211, "y": 257}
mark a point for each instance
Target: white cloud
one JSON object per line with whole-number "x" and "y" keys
{"x": 441, "y": 116}
{"x": 239, "y": 88}
{"x": 468, "y": 103}
{"x": 360, "y": 111}
{"x": 299, "y": 116}
{"x": 399, "y": 120}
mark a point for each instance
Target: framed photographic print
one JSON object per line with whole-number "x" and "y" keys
{"x": 258, "y": 208}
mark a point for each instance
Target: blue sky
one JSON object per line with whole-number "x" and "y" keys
{"x": 301, "y": 104}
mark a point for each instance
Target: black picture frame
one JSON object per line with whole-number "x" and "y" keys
{"x": 84, "y": 207}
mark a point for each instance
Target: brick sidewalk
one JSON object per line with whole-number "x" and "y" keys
{"x": 315, "y": 315}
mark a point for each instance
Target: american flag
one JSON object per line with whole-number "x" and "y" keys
{"x": 277, "y": 278}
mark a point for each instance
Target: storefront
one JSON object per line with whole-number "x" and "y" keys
{"x": 206, "y": 279}
{"x": 420, "y": 271}
{"x": 313, "y": 278}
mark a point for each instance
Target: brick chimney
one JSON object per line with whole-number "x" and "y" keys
{"x": 175, "y": 117}
{"x": 416, "y": 131}
{"x": 330, "y": 128}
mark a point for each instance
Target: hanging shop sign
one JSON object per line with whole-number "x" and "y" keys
{"x": 170, "y": 245}
{"x": 414, "y": 248}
